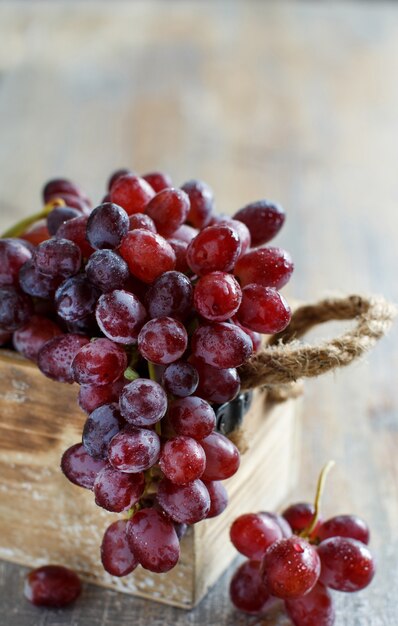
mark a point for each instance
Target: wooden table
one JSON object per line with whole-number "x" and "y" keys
{"x": 295, "y": 102}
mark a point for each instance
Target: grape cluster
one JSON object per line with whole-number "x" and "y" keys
{"x": 150, "y": 302}
{"x": 297, "y": 558}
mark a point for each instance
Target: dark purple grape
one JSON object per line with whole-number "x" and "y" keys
{"x": 76, "y": 298}
{"x": 60, "y": 185}
{"x": 13, "y": 255}
{"x": 116, "y": 491}
{"x": 184, "y": 503}
{"x": 264, "y": 220}
{"x": 30, "y": 338}
{"x": 171, "y": 295}
{"x": 143, "y": 402}
{"x": 134, "y": 449}
{"x": 100, "y": 427}
{"x": 116, "y": 555}
{"x": 79, "y": 467}
{"x": 57, "y": 257}
{"x": 180, "y": 379}
{"x": 56, "y": 356}
{"x": 153, "y": 540}
{"x": 107, "y": 270}
{"x": 58, "y": 216}
{"x": 216, "y": 385}
{"x": 15, "y": 309}
{"x": 36, "y": 284}
{"x": 99, "y": 362}
{"x": 120, "y": 316}
{"x": 107, "y": 225}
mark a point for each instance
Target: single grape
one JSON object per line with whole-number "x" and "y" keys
{"x": 299, "y": 517}
{"x": 347, "y": 564}
{"x": 52, "y": 586}
{"x": 264, "y": 220}
{"x": 60, "y": 185}
{"x": 216, "y": 385}
{"x": 116, "y": 175}
{"x": 116, "y": 491}
{"x": 36, "y": 284}
{"x": 56, "y": 356}
{"x": 79, "y": 467}
{"x": 30, "y": 338}
{"x": 222, "y": 457}
{"x": 140, "y": 220}
{"x": 13, "y": 255}
{"x": 180, "y": 379}
{"x": 120, "y": 316}
{"x": 290, "y": 568}
{"x": 192, "y": 417}
{"x": 184, "y": 503}
{"x": 185, "y": 233}
{"x": 75, "y": 230}
{"x": 247, "y": 590}
{"x": 132, "y": 193}
{"x": 106, "y": 226}
{"x": 57, "y": 257}
{"x": 76, "y": 298}
{"x": 158, "y": 180}
{"x": 182, "y": 460}
{"x": 344, "y": 526}
{"x": 92, "y": 396}
{"x": 218, "y": 498}
{"x": 221, "y": 345}
{"x": 162, "y": 340}
{"x": 100, "y": 427}
{"x": 241, "y": 230}
{"x": 216, "y": 248}
{"x": 314, "y": 609}
{"x": 252, "y": 534}
{"x": 255, "y": 337}
{"x": 153, "y": 540}
{"x": 134, "y": 450}
{"x": 168, "y": 209}
{"x": 217, "y": 296}
{"x": 107, "y": 270}
{"x": 201, "y": 200}
{"x": 280, "y": 521}
{"x": 15, "y": 309}
{"x": 59, "y": 215}
{"x": 99, "y": 362}
{"x": 143, "y": 402}
{"x": 171, "y": 295}
{"x": 147, "y": 254}
{"x": 270, "y": 267}
{"x": 263, "y": 309}
{"x": 180, "y": 250}
{"x": 116, "y": 555}
{"x": 75, "y": 202}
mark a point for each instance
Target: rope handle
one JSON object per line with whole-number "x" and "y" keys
{"x": 285, "y": 360}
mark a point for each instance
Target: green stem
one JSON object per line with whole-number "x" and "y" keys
{"x": 151, "y": 371}
{"x": 21, "y": 227}
{"x": 318, "y": 496}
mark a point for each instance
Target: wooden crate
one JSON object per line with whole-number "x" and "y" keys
{"x": 44, "y": 518}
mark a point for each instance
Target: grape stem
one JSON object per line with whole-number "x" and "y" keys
{"x": 21, "y": 227}
{"x": 152, "y": 371}
{"x": 318, "y": 496}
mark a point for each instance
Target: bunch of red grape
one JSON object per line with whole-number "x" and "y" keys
{"x": 150, "y": 302}
{"x": 297, "y": 558}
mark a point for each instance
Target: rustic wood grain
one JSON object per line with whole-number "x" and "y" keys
{"x": 297, "y": 102}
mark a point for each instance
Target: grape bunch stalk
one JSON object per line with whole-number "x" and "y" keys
{"x": 296, "y": 557}
{"x": 150, "y": 302}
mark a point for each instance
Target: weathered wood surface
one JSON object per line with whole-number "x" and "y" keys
{"x": 297, "y": 102}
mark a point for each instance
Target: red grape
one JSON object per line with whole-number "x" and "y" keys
{"x": 30, "y": 338}
{"x": 182, "y": 460}
{"x": 147, "y": 254}
{"x": 290, "y": 568}
{"x": 57, "y": 257}
{"x": 217, "y": 296}
{"x": 264, "y": 220}
{"x": 247, "y": 590}
{"x": 158, "y": 180}
{"x": 140, "y": 220}
{"x": 216, "y": 385}
{"x": 5, "y": 337}
{"x": 132, "y": 193}
{"x": 52, "y": 586}
{"x": 79, "y": 467}
{"x": 120, "y": 316}
{"x": 253, "y": 533}
{"x": 116, "y": 555}
{"x": 171, "y": 295}
{"x": 143, "y": 402}
{"x": 255, "y": 337}
{"x": 99, "y": 362}
{"x": 15, "y": 308}
{"x": 75, "y": 230}
{"x": 299, "y": 517}
{"x": 184, "y": 503}
{"x": 60, "y": 185}
{"x": 221, "y": 345}
{"x": 93, "y": 396}
{"x": 100, "y": 427}
{"x": 214, "y": 248}
{"x": 71, "y": 200}
{"x": 117, "y": 491}
{"x": 347, "y": 564}
{"x": 313, "y": 609}
{"x": 180, "y": 379}
{"x": 168, "y": 209}
{"x": 162, "y": 340}
{"x": 263, "y": 309}
{"x": 106, "y": 226}
{"x": 59, "y": 215}
{"x": 56, "y": 356}
{"x": 36, "y": 234}
{"x": 153, "y": 540}
{"x": 344, "y": 526}
{"x": 201, "y": 202}
{"x": 134, "y": 449}
{"x": 270, "y": 267}
{"x": 180, "y": 250}
{"x": 185, "y": 233}
{"x": 13, "y": 255}
{"x": 192, "y": 417}
{"x": 218, "y": 498}
{"x": 280, "y": 521}
{"x": 118, "y": 174}
{"x": 76, "y": 298}
{"x": 222, "y": 457}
